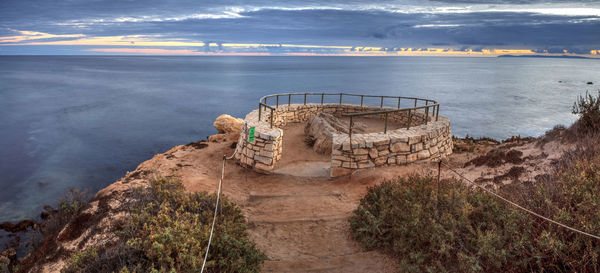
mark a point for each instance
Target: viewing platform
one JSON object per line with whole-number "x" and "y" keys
{"x": 306, "y": 134}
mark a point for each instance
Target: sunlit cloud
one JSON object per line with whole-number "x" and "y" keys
{"x": 138, "y": 40}
{"x": 225, "y": 14}
{"x": 162, "y": 51}
{"x": 146, "y": 51}
{"x": 34, "y": 35}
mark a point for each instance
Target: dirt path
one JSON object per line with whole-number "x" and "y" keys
{"x": 301, "y": 223}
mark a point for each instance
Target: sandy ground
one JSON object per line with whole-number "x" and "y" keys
{"x": 301, "y": 223}
{"x": 374, "y": 125}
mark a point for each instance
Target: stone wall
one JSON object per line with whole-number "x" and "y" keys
{"x": 420, "y": 142}
{"x": 398, "y": 147}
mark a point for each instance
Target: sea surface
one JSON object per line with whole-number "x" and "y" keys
{"x": 83, "y": 121}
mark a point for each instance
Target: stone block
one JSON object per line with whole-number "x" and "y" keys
{"x": 269, "y": 146}
{"x": 263, "y": 159}
{"x": 401, "y": 159}
{"x": 361, "y": 157}
{"x": 411, "y": 158}
{"x": 391, "y": 160}
{"x": 349, "y": 165}
{"x": 346, "y": 146}
{"x": 399, "y": 139}
{"x": 423, "y": 154}
{"x": 336, "y": 163}
{"x": 373, "y": 153}
{"x": 382, "y": 147}
{"x": 361, "y": 151}
{"x": 400, "y": 147}
{"x": 414, "y": 139}
{"x": 266, "y": 153}
{"x": 365, "y": 164}
{"x": 381, "y": 141}
{"x": 380, "y": 160}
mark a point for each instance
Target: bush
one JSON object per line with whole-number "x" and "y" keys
{"x": 588, "y": 109}
{"x": 42, "y": 240}
{"x": 168, "y": 231}
{"x": 464, "y": 230}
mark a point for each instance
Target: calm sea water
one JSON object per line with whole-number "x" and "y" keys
{"x": 84, "y": 121}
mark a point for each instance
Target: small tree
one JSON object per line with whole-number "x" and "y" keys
{"x": 588, "y": 109}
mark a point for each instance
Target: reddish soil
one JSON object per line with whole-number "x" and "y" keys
{"x": 374, "y": 125}
{"x": 301, "y": 223}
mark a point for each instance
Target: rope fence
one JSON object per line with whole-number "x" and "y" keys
{"x": 212, "y": 228}
{"x": 517, "y": 205}
{"x": 225, "y": 158}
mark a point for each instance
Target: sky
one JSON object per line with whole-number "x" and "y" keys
{"x": 303, "y": 27}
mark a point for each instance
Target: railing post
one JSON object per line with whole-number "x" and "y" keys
{"x": 415, "y": 102}
{"x": 265, "y": 104}
{"x": 304, "y": 98}
{"x": 322, "y": 97}
{"x": 398, "y": 103}
{"x": 259, "y": 110}
{"x": 340, "y": 98}
{"x": 277, "y": 102}
{"x": 350, "y": 131}
{"x": 271, "y": 118}
{"x": 385, "y": 128}
{"x": 289, "y": 99}
{"x": 361, "y": 100}
{"x": 437, "y": 112}
{"x": 426, "y": 114}
{"x": 381, "y": 106}
{"x": 409, "y": 119}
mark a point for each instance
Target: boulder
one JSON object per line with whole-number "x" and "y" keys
{"x": 321, "y": 127}
{"x": 227, "y": 124}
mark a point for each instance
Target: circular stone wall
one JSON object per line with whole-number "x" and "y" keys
{"x": 421, "y": 142}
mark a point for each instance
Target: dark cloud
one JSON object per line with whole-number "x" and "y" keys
{"x": 337, "y": 23}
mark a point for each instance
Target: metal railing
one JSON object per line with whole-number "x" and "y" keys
{"x": 434, "y": 106}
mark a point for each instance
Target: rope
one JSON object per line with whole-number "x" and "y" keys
{"x": 521, "y": 207}
{"x": 225, "y": 158}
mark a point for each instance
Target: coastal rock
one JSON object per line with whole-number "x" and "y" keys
{"x": 322, "y": 126}
{"x": 226, "y": 124}
{"x": 218, "y": 138}
{"x": 18, "y": 227}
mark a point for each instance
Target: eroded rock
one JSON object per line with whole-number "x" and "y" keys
{"x": 226, "y": 124}
{"x": 321, "y": 127}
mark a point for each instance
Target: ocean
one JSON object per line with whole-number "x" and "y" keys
{"x": 84, "y": 121}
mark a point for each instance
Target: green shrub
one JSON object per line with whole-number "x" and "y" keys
{"x": 465, "y": 230}
{"x": 168, "y": 231}
{"x": 588, "y": 109}
{"x": 461, "y": 231}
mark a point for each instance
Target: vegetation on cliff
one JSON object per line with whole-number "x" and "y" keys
{"x": 167, "y": 230}
{"x": 458, "y": 229}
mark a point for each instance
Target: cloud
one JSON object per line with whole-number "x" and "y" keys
{"x": 34, "y": 35}
{"x": 387, "y": 23}
{"x": 146, "y": 51}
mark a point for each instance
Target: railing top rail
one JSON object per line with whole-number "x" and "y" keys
{"x": 344, "y": 94}
{"x": 389, "y": 110}
{"x": 266, "y": 105}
